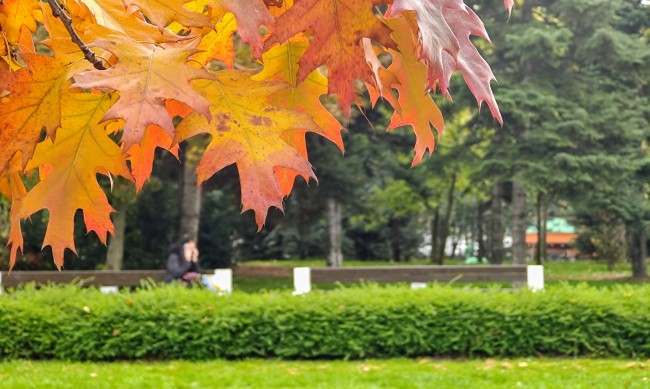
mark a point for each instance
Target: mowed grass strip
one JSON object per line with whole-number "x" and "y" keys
{"x": 390, "y": 373}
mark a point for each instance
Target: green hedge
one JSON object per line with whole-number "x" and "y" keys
{"x": 371, "y": 321}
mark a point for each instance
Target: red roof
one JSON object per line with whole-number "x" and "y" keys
{"x": 552, "y": 238}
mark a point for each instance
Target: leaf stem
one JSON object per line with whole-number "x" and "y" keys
{"x": 58, "y": 12}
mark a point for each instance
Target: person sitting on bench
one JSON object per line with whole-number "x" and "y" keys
{"x": 183, "y": 262}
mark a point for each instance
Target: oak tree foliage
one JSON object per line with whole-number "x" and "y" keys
{"x": 92, "y": 87}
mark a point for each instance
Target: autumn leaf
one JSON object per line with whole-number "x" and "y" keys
{"x": 12, "y": 187}
{"x": 146, "y": 75}
{"x": 217, "y": 43}
{"x": 383, "y": 79}
{"x": 338, "y": 27}
{"x": 444, "y": 29}
{"x": 246, "y": 130}
{"x": 110, "y": 17}
{"x": 416, "y": 106}
{"x": 5, "y": 60}
{"x": 81, "y": 150}
{"x": 250, "y": 15}
{"x": 34, "y": 103}
{"x": 141, "y": 155}
{"x": 14, "y": 14}
{"x": 281, "y": 64}
{"x": 475, "y": 70}
{"x": 436, "y": 36}
{"x": 163, "y": 12}
{"x": 59, "y": 39}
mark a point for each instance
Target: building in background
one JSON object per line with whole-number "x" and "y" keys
{"x": 560, "y": 236}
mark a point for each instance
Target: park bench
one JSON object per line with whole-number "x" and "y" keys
{"x": 107, "y": 280}
{"x": 119, "y": 278}
{"x": 532, "y": 276}
{"x": 110, "y": 280}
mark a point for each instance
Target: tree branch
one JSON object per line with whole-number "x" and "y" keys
{"x": 58, "y": 12}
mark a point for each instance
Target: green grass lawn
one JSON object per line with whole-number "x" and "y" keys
{"x": 392, "y": 373}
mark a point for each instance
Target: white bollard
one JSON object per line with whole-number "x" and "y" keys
{"x": 535, "y": 278}
{"x": 301, "y": 280}
{"x": 108, "y": 289}
{"x": 418, "y": 285}
{"x": 222, "y": 281}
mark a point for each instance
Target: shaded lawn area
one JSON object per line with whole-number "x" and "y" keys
{"x": 391, "y": 373}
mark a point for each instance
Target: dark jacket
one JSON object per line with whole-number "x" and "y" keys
{"x": 177, "y": 265}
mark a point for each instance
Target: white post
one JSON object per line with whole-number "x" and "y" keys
{"x": 418, "y": 285}
{"x": 222, "y": 281}
{"x": 0, "y": 282}
{"x": 536, "y": 278}
{"x": 108, "y": 289}
{"x": 301, "y": 280}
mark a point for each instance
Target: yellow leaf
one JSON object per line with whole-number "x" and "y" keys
{"x": 112, "y": 14}
{"x": 81, "y": 150}
{"x": 17, "y": 13}
{"x": 248, "y": 131}
{"x": 163, "y": 12}
{"x": 217, "y": 43}
{"x": 281, "y": 64}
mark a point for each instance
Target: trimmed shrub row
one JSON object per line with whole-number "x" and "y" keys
{"x": 173, "y": 322}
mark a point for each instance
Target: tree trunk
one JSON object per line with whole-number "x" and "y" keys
{"x": 334, "y": 220}
{"x": 482, "y": 250}
{"x": 435, "y": 224}
{"x": 190, "y": 198}
{"x": 447, "y": 220}
{"x": 519, "y": 208}
{"x": 540, "y": 249}
{"x": 496, "y": 224}
{"x": 454, "y": 246}
{"x": 638, "y": 246}
{"x": 115, "y": 253}
{"x": 395, "y": 241}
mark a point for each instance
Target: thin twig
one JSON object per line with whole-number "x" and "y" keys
{"x": 58, "y": 12}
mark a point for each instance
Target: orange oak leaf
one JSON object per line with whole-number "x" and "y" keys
{"x": 444, "y": 29}
{"x": 247, "y": 131}
{"x": 250, "y": 15}
{"x": 34, "y": 103}
{"x": 81, "y": 150}
{"x": 17, "y": 13}
{"x": 163, "y": 12}
{"x": 417, "y": 107}
{"x": 141, "y": 155}
{"x": 113, "y": 16}
{"x": 146, "y": 75}
{"x": 59, "y": 38}
{"x": 12, "y": 187}
{"x": 383, "y": 79}
{"x": 281, "y": 64}
{"x": 338, "y": 27}
{"x": 5, "y": 60}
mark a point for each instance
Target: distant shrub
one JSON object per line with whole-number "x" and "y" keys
{"x": 179, "y": 323}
